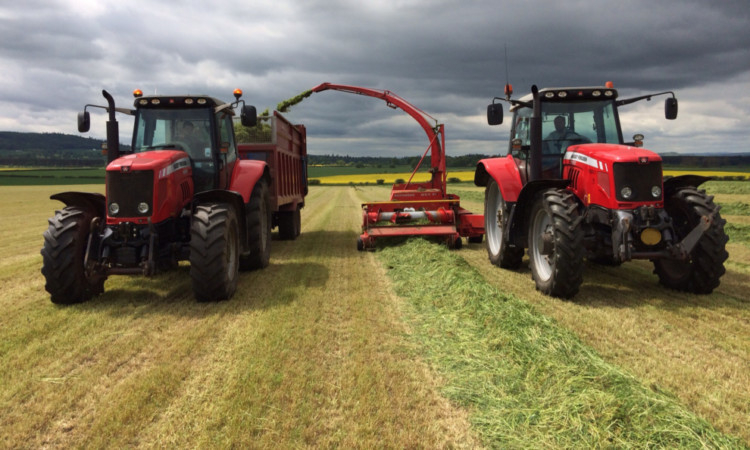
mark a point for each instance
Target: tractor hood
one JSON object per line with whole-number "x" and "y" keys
{"x": 603, "y": 156}
{"x": 162, "y": 162}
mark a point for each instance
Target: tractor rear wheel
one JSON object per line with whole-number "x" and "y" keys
{"x": 556, "y": 244}
{"x": 495, "y": 220}
{"x": 63, "y": 254}
{"x": 700, "y": 274}
{"x": 258, "y": 229}
{"x": 289, "y": 224}
{"x": 214, "y": 252}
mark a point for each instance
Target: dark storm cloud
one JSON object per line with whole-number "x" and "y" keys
{"x": 446, "y": 57}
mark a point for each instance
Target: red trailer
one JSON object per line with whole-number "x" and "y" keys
{"x": 416, "y": 209}
{"x": 283, "y": 146}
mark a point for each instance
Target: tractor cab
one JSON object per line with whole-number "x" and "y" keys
{"x": 199, "y": 126}
{"x": 569, "y": 116}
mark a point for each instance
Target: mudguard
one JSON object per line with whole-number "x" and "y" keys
{"x": 672, "y": 185}
{"x": 89, "y": 200}
{"x": 244, "y": 176}
{"x": 505, "y": 173}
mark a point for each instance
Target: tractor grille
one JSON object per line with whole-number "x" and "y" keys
{"x": 128, "y": 189}
{"x": 640, "y": 178}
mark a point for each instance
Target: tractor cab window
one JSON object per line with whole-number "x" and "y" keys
{"x": 226, "y": 136}
{"x": 566, "y": 124}
{"x": 521, "y": 121}
{"x": 186, "y": 130}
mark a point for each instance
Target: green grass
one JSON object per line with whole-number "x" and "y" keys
{"x": 738, "y": 233}
{"x": 726, "y": 187}
{"x": 735, "y": 209}
{"x": 528, "y": 382}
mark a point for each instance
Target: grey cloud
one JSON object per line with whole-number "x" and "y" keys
{"x": 446, "y": 57}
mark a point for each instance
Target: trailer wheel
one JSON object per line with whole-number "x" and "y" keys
{"x": 289, "y": 224}
{"x": 702, "y": 272}
{"x": 214, "y": 252}
{"x": 63, "y": 254}
{"x": 495, "y": 220}
{"x": 556, "y": 244}
{"x": 258, "y": 229}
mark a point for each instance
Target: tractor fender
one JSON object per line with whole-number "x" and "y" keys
{"x": 89, "y": 200}
{"x": 672, "y": 185}
{"x": 505, "y": 173}
{"x": 246, "y": 173}
{"x": 519, "y": 215}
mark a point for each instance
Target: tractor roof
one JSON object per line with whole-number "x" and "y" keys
{"x": 571, "y": 94}
{"x": 179, "y": 101}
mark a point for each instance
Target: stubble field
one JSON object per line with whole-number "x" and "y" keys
{"x": 409, "y": 346}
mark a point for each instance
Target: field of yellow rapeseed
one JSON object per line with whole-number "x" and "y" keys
{"x": 389, "y": 178}
{"x": 466, "y": 175}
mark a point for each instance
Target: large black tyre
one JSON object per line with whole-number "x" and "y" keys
{"x": 556, "y": 244}
{"x": 63, "y": 254}
{"x": 258, "y": 213}
{"x": 701, "y": 273}
{"x": 289, "y": 224}
{"x": 214, "y": 252}
{"x": 495, "y": 220}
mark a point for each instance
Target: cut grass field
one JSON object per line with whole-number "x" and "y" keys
{"x": 409, "y": 346}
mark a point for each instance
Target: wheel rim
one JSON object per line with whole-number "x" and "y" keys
{"x": 493, "y": 220}
{"x": 542, "y": 260}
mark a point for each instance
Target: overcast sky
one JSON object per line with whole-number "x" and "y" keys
{"x": 446, "y": 57}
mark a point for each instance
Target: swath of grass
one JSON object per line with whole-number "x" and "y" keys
{"x": 528, "y": 382}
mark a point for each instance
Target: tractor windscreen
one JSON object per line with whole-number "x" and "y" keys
{"x": 181, "y": 129}
{"x": 565, "y": 124}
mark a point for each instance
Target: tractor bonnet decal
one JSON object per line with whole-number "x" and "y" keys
{"x": 175, "y": 166}
{"x": 589, "y": 161}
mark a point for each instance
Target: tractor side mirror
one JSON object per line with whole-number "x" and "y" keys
{"x": 249, "y": 116}
{"x": 84, "y": 122}
{"x": 670, "y": 108}
{"x": 495, "y": 114}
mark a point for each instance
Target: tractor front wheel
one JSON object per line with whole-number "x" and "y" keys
{"x": 495, "y": 220}
{"x": 556, "y": 244}
{"x": 701, "y": 272}
{"x": 63, "y": 255}
{"x": 214, "y": 252}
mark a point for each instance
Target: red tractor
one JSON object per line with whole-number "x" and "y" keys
{"x": 570, "y": 188}
{"x": 182, "y": 192}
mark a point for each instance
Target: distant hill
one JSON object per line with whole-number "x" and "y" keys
{"x": 46, "y": 142}
{"x": 49, "y": 149}
{"x": 68, "y": 150}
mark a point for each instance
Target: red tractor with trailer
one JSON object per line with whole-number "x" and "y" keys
{"x": 570, "y": 187}
{"x": 415, "y": 208}
{"x": 182, "y": 192}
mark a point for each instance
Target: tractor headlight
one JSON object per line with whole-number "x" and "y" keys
{"x": 656, "y": 191}
{"x": 143, "y": 207}
{"x": 626, "y": 192}
{"x": 114, "y": 208}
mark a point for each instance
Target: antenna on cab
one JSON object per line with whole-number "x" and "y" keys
{"x": 508, "y": 87}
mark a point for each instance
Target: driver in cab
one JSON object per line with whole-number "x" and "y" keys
{"x": 558, "y": 141}
{"x": 187, "y": 136}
